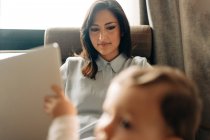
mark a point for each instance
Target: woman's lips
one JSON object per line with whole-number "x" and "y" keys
{"x": 104, "y": 44}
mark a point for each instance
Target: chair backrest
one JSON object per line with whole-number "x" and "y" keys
{"x": 69, "y": 40}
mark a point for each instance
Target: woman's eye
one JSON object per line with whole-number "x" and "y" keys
{"x": 94, "y": 29}
{"x": 126, "y": 124}
{"x": 111, "y": 27}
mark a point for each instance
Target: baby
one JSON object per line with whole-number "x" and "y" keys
{"x": 157, "y": 103}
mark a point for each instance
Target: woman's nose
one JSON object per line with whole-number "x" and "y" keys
{"x": 102, "y": 35}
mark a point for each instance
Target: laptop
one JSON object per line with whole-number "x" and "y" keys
{"x": 25, "y": 79}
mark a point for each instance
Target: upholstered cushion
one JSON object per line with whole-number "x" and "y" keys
{"x": 69, "y": 40}
{"x": 141, "y": 40}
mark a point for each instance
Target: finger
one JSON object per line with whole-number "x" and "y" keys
{"x": 49, "y": 104}
{"x": 48, "y": 109}
{"x": 48, "y": 99}
{"x": 58, "y": 90}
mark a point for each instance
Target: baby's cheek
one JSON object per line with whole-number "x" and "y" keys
{"x": 104, "y": 128}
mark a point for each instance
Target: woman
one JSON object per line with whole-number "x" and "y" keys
{"x": 106, "y": 40}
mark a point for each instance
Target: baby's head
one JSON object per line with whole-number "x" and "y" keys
{"x": 157, "y": 103}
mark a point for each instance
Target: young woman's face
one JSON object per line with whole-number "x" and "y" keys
{"x": 132, "y": 113}
{"x": 105, "y": 34}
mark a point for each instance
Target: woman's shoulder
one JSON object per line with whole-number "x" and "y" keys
{"x": 141, "y": 61}
{"x": 138, "y": 58}
{"x": 74, "y": 60}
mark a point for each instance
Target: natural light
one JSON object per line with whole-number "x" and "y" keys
{"x": 42, "y": 14}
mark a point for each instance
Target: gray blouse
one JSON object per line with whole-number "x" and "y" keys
{"x": 88, "y": 94}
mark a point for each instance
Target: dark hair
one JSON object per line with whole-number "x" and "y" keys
{"x": 180, "y": 106}
{"x": 88, "y": 51}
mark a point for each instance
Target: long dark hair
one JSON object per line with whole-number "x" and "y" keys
{"x": 88, "y": 51}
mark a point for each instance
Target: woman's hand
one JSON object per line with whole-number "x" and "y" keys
{"x": 58, "y": 105}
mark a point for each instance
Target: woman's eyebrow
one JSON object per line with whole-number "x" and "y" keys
{"x": 110, "y": 23}
{"x": 94, "y": 25}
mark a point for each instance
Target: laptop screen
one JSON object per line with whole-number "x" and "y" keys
{"x": 25, "y": 79}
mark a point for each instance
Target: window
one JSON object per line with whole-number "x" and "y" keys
{"x": 41, "y": 14}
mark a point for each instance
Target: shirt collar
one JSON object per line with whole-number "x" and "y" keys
{"x": 116, "y": 63}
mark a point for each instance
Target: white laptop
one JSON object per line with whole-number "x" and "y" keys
{"x": 24, "y": 81}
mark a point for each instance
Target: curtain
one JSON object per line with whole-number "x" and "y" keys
{"x": 181, "y": 39}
